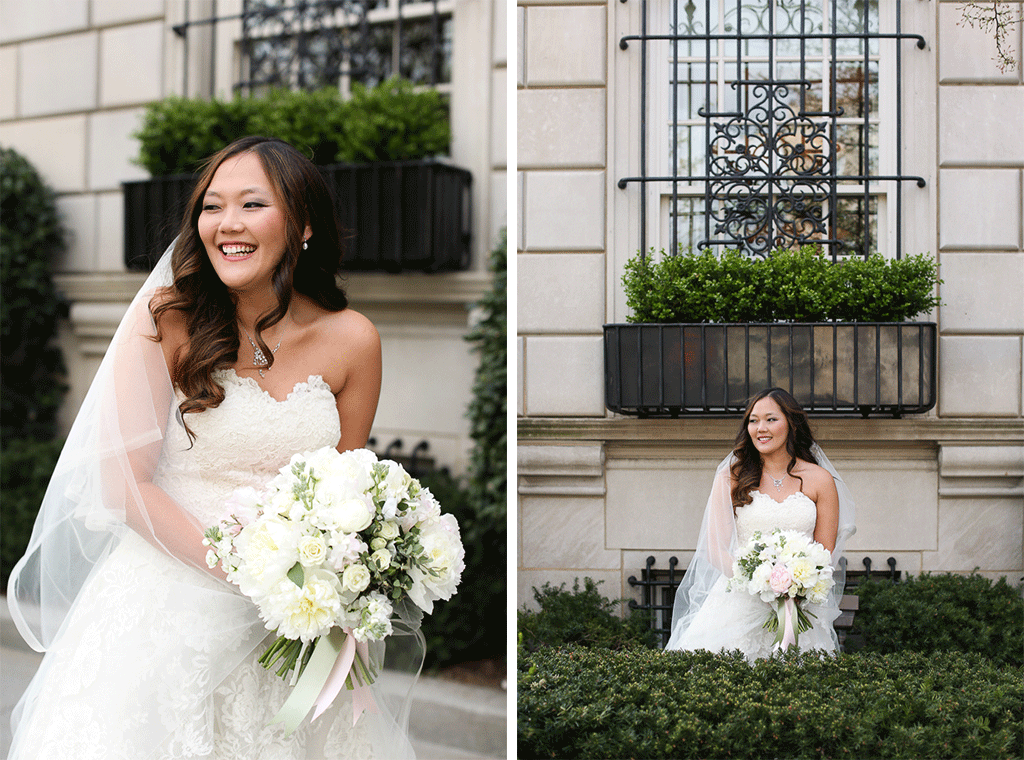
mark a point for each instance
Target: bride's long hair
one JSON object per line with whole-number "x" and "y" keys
{"x": 208, "y": 306}
{"x": 747, "y": 468}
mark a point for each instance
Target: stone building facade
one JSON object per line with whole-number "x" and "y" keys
{"x": 75, "y": 77}
{"x": 597, "y": 492}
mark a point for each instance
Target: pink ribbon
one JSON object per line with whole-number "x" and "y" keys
{"x": 789, "y": 633}
{"x": 362, "y": 698}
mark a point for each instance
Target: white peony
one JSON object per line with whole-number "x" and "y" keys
{"x": 267, "y": 549}
{"x": 303, "y": 612}
{"x": 444, "y": 562}
{"x": 336, "y": 509}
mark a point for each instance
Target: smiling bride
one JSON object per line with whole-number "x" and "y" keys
{"x": 776, "y": 478}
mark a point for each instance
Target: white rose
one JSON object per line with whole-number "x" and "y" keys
{"x": 355, "y": 578}
{"x": 378, "y": 543}
{"x": 312, "y": 551}
{"x": 388, "y": 530}
{"x": 382, "y": 559}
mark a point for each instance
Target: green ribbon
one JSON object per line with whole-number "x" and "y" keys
{"x": 312, "y": 680}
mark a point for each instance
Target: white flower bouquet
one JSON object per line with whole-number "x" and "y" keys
{"x": 327, "y": 551}
{"x": 783, "y": 569}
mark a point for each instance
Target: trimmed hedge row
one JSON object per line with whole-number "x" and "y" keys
{"x": 947, "y": 612}
{"x": 638, "y": 703}
{"x": 788, "y": 286}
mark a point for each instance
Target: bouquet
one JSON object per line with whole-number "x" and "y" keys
{"x": 785, "y": 568}
{"x": 329, "y": 551}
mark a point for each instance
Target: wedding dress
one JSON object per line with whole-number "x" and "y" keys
{"x": 134, "y": 660}
{"x": 734, "y": 619}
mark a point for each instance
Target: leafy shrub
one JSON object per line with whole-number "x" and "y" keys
{"x": 936, "y": 613}
{"x": 788, "y": 286}
{"x": 640, "y": 703}
{"x": 31, "y": 234}
{"x": 472, "y": 625}
{"x": 583, "y": 617}
{"x": 390, "y": 122}
{"x": 25, "y": 470}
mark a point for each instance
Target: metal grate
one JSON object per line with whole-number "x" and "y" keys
{"x": 774, "y": 123}
{"x": 308, "y": 44}
{"x": 658, "y": 588}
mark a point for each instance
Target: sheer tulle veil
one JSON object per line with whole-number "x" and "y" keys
{"x": 101, "y": 495}
{"x": 716, "y": 547}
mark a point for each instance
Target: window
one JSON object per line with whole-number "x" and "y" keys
{"x": 771, "y": 124}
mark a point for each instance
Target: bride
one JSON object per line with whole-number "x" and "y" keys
{"x": 775, "y": 477}
{"x": 238, "y": 352}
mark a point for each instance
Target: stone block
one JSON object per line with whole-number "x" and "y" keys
{"x": 58, "y": 75}
{"x": 979, "y": 209}
{"x": 565, "y": 532}
{"x": 560, "y": 292}
{"x": 78, "y": 213}
{"x": 611, "y": 584}
{"x": 520, "y": 370}
{"x": 500, "y": 33}
{"x": 499, "y": 206}
{"x": 112, "y": 149}
{"x": 561, "y": 128}
{"x": 24, "y": 19}
{"x": 982, "y": 292}
{"x": 8, "y": 82}
{"x": 131, "y": 64}
{"x": 670, "y": 494}
{"x": 966, "y": 53}
{"x": 564, "y": 210}
{"x": 566, "y": 45}
{"x": 520, "y": 46}
{"x": 896, "y": 502}
{"x": 56, "y": 147}
{"x": 120, "y": 11}
{"x": 499, "y": 118}
{"x": 979, "y": 533}
{"x": 520, "y": 208}
{"x": 110, "y": 232}
{"x": 981, "y": 125}
{"x": 564, "y": 376}
{"x": 979, "y": 376}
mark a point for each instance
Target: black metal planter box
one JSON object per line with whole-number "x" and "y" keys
{"x": 402, "y": 215}
{"x": 668, "y": 370}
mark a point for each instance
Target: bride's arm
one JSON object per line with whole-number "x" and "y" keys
{"x": 360, "y": 387}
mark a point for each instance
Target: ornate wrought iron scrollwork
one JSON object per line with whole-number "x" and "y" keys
{"x": 770, "y": 171}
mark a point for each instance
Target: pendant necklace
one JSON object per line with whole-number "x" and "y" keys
{"x": 259, "y": 359}
{"x": 776, "y": 482}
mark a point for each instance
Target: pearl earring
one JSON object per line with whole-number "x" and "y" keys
{"x": 305, "y": 245}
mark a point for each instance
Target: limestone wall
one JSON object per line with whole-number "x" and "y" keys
{"x": 598, "y": 494}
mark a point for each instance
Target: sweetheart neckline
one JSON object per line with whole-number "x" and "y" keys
{"x": 310, "y": 382}
{"x": 796, "y": 493}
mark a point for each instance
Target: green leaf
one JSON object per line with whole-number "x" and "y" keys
{"x": 297, "y": 575}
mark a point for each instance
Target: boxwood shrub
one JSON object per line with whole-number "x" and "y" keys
{"x": 788, "y": 286}
{"x": 389, "y": 122}
{"x": 577, "y": 702}
{"x": 935, "y": 613}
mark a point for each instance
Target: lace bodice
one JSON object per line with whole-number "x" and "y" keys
{"x": 795, "y": 512}
{"x": 244, "y": 441}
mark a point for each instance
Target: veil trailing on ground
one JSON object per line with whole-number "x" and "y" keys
{"x": 102, "y": 495}
{"x": 716, "y": 548}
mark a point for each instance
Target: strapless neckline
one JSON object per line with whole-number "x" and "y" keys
{"x": 313, "y": 382}
{"x": 792, "y": 495}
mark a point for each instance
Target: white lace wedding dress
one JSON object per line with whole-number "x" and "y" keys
{"x": 733, "y": 619}
{"x": 135, "y": 664}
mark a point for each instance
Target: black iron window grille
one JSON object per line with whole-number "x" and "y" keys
{"x": 333, "y": 43}
{"x": 781, "y": 124}
{"x": 657, "y": 588}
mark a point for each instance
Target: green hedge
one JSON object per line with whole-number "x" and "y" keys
{"x": 577, "y": 702}
{"x": 936, "y": 613}
{"x": 580, "y": 616}
{"x": 390, "y": 122}
{"x": 25, "y": 469}
{"x": 788, "y": 286}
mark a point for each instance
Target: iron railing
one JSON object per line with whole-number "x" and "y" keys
{"x": 772, "y": 176}
{"x": 657, "y": 587}
{"x": 832, "y": 368}
{"x": 307, "y": 44}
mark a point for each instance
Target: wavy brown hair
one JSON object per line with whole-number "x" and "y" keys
{"x": 747, "y": 469}
{"x": 209, "y": 308}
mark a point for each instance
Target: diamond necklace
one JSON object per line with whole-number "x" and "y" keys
{"x": 259, "y": 359}
{"x": 776, "y": 482}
